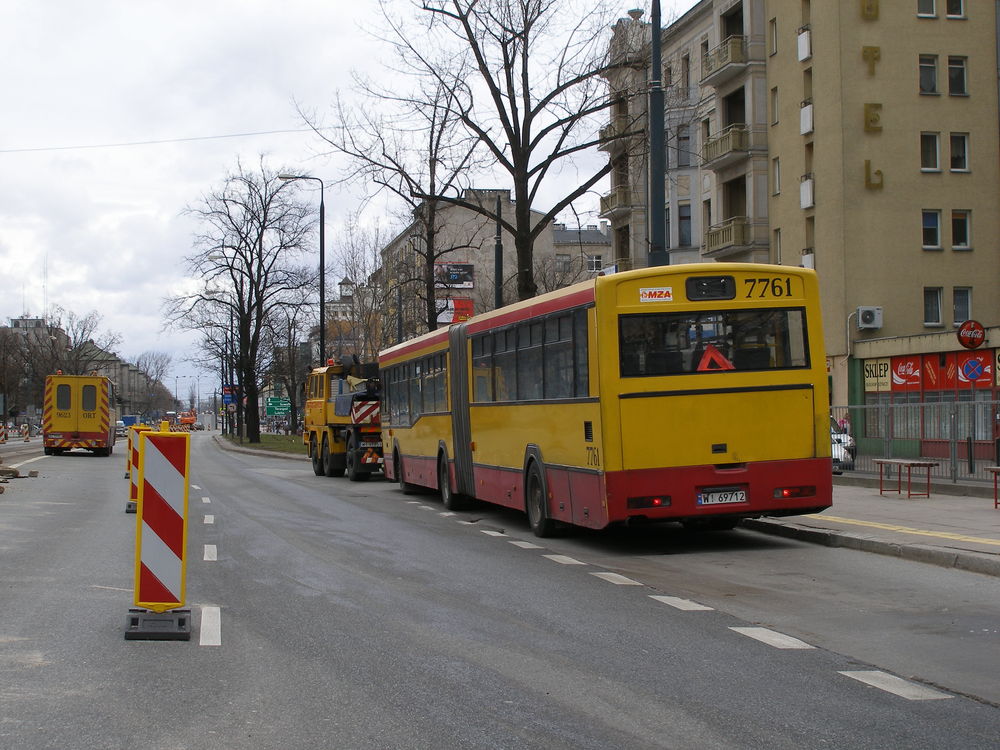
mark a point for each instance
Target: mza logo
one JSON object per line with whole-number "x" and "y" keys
{"x": 657, "y": 294}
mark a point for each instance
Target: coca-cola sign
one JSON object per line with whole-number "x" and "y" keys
{"x": 971, "y": 334}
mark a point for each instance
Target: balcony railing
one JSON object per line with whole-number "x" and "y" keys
{"x": 725, "y": 61}
{"x": 616, "y": 200}
{"x": 728, "y": 146}
{"x": 734, "y": 231}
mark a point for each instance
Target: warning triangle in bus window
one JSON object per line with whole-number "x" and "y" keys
{"x": 713, "y": 359}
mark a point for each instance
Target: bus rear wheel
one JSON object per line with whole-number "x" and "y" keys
{"x": 541, "y": 524}
{"x": 451, "y": 500}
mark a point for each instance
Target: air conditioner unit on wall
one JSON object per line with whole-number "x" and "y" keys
{"x": 869, "y": 317}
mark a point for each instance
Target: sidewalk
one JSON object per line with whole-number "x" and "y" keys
{"x": 951, "y": 530}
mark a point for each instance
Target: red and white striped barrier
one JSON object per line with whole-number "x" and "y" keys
{"x": 3, "y": 433}
{"x": 132, "y": 467}
{"x": 26, "y": 433}
{"x": 161, "y": 525}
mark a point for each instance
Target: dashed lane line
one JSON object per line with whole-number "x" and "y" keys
{"x": 563, "y": 560}
{"x": 772, "y": 638}
{"x": 897, "y": 686}
{"x": 490, "y": 532}
{"x": 205, "y": 500}
{"x": 677, "y": 603}
{"x": 195, "y": 487}
{"x": 211, "y": 553}
{"x": 209, "y": 519}
{"x": 211, "y": 627}
{"x": 615, "y": 578}
{"x": 525, "y": 545}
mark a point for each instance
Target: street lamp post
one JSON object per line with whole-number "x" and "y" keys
{"x": 322, "y": 259}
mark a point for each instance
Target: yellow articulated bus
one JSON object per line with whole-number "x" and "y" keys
{"x": 693, "y": 393}
{"x": 78, "y": 412}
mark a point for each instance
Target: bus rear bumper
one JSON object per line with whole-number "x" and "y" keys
{"x": 765, "y": 488}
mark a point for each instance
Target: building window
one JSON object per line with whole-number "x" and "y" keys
{"x": 932, "y": 305}
{"x": 956, "y": 9}
{"x": 595, "y": 263}
{"x": 684, "y": 225}
{"x": 683, "y": 146}
{"x": 956, "y": 76}
{"x": 962, "y": 296}
{"x": 961, "y": 229}
{"x": 686, "y": 76}
{"x": 774, "y": 106}
{"x": 775, "y": 175}
{"x": 776, "y": 246}
{"x": 931, "y": 230}
{"x": 929, "y": 157}
{"x": 959, "y": 152}
{"x": 772, "y": 35}
{"x": 666, "y": 226}
{"x": 928, "y": 74}
{"x": 562, "y": 262}
{"x": 926, "y": 8}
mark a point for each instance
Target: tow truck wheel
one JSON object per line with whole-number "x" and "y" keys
{"x": 326, "y": 458}
{"x": 317, "y": 461}
{"x": 353, "y": 471}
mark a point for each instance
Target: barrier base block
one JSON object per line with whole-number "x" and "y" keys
{"x": 130, "y": 506}
{"x": 143, "y": 625}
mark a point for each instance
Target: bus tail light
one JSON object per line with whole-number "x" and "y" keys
{"x": 785, "y": 493}
{"x": 657, "y": 501}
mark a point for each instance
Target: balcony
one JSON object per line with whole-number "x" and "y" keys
{"x": 724, "y": 62}
{"x": 616, "y": 201}
{"x": 728, "y": 147}
{"x": 732, "y": 232}
{"x": 613, "y": 129}
{"x": 806, "y": 117}
{"x": 807, "y": 191}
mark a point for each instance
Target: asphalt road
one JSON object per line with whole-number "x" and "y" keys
{"x": 352, "y": 616}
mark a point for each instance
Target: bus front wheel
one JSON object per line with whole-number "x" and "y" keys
{"x": 541, "y": 524}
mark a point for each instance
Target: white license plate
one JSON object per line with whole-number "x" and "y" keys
{"x": 722, "y": 496}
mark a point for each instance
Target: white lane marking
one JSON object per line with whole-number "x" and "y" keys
{"x": 209, "y": 519}
{"x": 205, "y": 500}
{"x": 195, "y": 487}
{"x": 211, "y": 627}
{"x": 446, "y": 514}
{"x": 468, "y": 523}
{"x": 615, "y": 578}
{"x": 109, "y": 588}
{"x": 28, "y": 461}
{"x": 425, "y": 507}
{"x": 413, "y": 502}
{"x": 211, "y": 553}
{"x": 772, "y": 638}
{"x": 897, "y": 686}
{"x": 678, "y": 603}
{"x": 563, "y": 560}
{"x": 492, "y": 533}
{"x": 526, "y": 545}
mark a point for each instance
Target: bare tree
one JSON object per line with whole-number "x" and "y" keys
{"x": 252, "y": 229}
{"x": 407, "y": 143}
{"x": 532, "y": 101}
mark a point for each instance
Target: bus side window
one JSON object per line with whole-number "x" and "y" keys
{"x": 582, "y": 364}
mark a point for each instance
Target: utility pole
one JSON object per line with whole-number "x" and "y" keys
{"x": 658, "y": 255}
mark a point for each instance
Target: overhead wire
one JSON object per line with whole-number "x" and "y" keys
{"x": 125, "y": 144}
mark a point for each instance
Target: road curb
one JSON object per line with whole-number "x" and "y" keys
{"x": 945, "y": 558}
{"x": 226, "y": 445}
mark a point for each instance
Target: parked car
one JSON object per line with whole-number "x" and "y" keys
{"x": 843, "y": 455}
{"x": 120, "y": 429}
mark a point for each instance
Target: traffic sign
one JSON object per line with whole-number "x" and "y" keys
{"x": 277, "y": 407}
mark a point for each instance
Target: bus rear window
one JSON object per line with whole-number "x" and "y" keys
{"x": 681, "y": 343}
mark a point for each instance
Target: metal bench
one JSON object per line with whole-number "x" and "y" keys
{"x": 910, "y": 465}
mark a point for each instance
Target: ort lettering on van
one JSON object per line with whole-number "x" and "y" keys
{"x": 657, "y": 294}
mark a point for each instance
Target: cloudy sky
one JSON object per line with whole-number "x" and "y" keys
{"x": 117, "y": 114}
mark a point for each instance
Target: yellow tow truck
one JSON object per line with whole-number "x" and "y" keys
{"x": 342, "y": 429}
